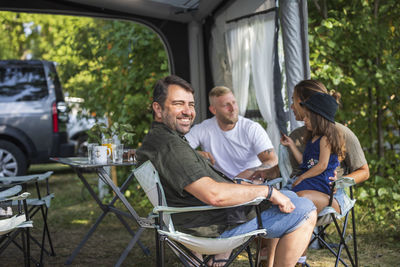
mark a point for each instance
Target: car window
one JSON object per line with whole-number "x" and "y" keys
{"x": 22, "y": 83}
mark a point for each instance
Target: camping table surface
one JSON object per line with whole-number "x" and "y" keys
{"x": 79, "y": 164}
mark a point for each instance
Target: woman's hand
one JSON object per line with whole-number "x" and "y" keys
{"x": 286, "y": 140}
{"x": 298, "y": 181}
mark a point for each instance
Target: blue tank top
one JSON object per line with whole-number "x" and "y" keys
{"x": 310, "y": 159}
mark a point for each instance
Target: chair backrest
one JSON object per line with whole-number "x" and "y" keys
{"x": 148, "y": 179}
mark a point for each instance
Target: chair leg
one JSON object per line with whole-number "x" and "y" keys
{"x": 259, "y": 241}
{"x": 159, "y": 249}
{"x": 249, "y": 255}
{"x": 46, "y": 230}
{"x": 342, "y": 240}
{"x": 353, "y": 219}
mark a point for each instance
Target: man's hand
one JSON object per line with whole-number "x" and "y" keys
{"x": 207, "y": 156}
{"x": 284, "y": 203}
{"x": 266, "y": 174}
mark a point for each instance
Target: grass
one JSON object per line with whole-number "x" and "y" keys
{"x": 73, "y": 212}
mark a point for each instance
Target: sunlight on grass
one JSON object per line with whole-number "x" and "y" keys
{"x": 84, "y": 222}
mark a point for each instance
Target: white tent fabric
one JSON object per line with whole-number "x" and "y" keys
{"x": 237, "y": 42}
{"x": 262, "y": 63}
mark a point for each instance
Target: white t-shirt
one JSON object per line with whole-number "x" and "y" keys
{"x": 234, "y": 151}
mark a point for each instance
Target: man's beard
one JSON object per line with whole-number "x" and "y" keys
{"x": 229, "y": 120}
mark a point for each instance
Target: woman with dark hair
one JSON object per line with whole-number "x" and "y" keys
{"x": 353, "y": 165}
{"x": 324, "y": 147}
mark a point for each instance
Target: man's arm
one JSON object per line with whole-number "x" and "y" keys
{"x": 225, "y": 194}
{"x": 207, "y": 155}
{"x": 360, "y": 175}
{"x": 268, "y": 158}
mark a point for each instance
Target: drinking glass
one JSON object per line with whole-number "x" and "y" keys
{"x": 117, "y": 153}
{"x": 108, "y": 142}
{"x": 90, "y": 147}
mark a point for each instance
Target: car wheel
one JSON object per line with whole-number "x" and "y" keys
{"x": 12, "y": 160}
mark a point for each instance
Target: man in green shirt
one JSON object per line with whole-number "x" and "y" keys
{"x": 189, "y": 180}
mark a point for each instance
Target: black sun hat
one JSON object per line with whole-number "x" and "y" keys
{"x": 322, "y": 104}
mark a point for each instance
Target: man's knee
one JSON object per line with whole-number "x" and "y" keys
{"x": 312, "y": 218}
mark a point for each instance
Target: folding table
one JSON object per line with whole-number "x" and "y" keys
{"x": 79, "y": 164}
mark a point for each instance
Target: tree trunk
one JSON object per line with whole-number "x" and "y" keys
{"x": 370, "y": 119}
{"x": 379, "y": 113}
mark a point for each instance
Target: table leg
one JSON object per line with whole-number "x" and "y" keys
{"x": 138, "y": 233}
{"x": 87, "y": 236}
{"x": 121, "y": 196}
{"x": 103, "y": 207}
{"x": 130, "y": 246}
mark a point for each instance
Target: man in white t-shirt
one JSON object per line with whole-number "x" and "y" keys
{"x": 234, "y": 144}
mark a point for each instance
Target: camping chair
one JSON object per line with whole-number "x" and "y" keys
{"x": 13, "y": 225}
{"x": 329, "y": 215}
{"x": 36, "y": 204}
{"x": 183, "y": 244}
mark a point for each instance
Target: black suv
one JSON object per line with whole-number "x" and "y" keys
{"x": 33, "y": 115}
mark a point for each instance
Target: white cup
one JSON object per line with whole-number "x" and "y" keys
{"x": 101, "y": 154}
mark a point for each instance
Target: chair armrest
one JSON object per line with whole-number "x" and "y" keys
{"x": 19, "y": 179}
{"x": 344, "y": 182}
{"x": 172, "y": 210}
{"x": 22, "y": 196}
{"x": 267, "y": 182}
{"x": 12, "y": 191}
{"x": 44, "y": 176}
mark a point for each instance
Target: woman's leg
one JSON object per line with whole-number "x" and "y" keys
{"x": 319, "y": 199}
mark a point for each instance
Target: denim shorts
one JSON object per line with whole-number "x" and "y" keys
{"x": 345, "y": 203}
{"x": 276, "y": 222}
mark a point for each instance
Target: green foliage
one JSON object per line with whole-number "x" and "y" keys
{"x": 355, "y": 50}
{"x": 113, "y": 65}
{"x": 124, "y": 132}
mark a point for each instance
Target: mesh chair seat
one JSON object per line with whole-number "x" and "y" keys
{"x": 211, "y": 246}
{"x": 17, "y": 221}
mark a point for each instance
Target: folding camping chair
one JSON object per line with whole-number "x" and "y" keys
{"x": 18, "y": 224}
{"x": 36, "y": 204}
{"x": 329, "y": 214}
{"x": 181, "y": 243}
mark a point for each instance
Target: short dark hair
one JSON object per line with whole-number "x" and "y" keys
{"x": 160, "y": 91}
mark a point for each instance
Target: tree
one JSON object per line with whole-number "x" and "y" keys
{"x": 354, "y": 49}
{"x": 111, "y": 64}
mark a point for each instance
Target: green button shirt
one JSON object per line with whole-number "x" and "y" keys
{"x": 179, "y": 165}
